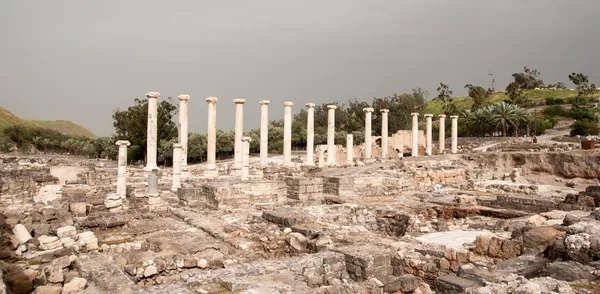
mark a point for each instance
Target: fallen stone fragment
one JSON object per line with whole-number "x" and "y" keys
{"x": 76, "y": 284}
{"x": 21, "y": 233}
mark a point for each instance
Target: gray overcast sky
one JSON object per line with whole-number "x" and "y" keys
{"x": 80, "y": 60}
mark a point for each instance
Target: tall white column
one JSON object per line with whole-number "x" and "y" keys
{"x": 368, "y": 137}
{"x": 287, "y": 133}
{"x": 152, "y": 132}
{"x": 122, "y": 169}
{"x": 211, "y": 146}
{"x": 239, "y": 131}
{"x": 428, "y": 138}
{"x": 183, "y": 133}
{"x": 264, "y": 132}
{"x": 384, "y": 133}
{"x": 310, "y": 134}
{"x": 349, "y": 149}
{"x": 177, "y": 153}
{"x": 442, "y": 140}
{"x": 245, "y": 158}
{"x": 415, "y": 134}
{"x": 454, "y": 147}
{"x": 331, "y": 134}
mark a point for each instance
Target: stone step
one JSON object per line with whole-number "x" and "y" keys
{"x": 451, "y": 284}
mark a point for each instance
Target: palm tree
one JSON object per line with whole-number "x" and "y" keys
{"x": 45, "y": 142}
{"x": 503, "y": 117}
{"x": 524, "y": 119}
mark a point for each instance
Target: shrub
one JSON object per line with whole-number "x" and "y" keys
{"x": 541, "y": 125}
{"x": 573, "y": 100}
{"x": 585, "y": 128}
{"x": 555, "y": 110}
{"x": 580, "y": 113}
{"x": 554, "y": 101}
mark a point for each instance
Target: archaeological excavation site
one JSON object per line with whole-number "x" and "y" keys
{"x": 405, "y": 213}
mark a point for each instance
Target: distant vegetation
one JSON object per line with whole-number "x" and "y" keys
{"x": 484, "y": 112}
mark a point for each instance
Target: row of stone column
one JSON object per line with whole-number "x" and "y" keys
{"x": 428, "y": 134}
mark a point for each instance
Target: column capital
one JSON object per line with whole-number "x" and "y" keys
{"x": 122, "y": 143}
{"x": 428, "y": 115}
{"x": 288, "y": 103}
{"x": 246, "y": 139}
{"x": 368, "y": 109}
{"x": 442, "y": 115}
{"x": 264, "y": 102}
{"x": 212, "y": 99}
{"x": 310, "y": 105}
{"x": 454, "y": 116}
{"x": 177, "y": 145}
{"x": 183, "y": 97}
{"x": 239, "y": 101}
{"x": 415, "y": 114}
{"x": 152, "y": 95}
{"x": 332, "y": 107}
{"x": 384, "y": 110}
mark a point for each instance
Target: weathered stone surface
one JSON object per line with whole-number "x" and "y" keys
{"x": 569, "y": 271}
{"x": 21, "y": 233}
{"x": 48, "y": 290}
{"x": 406, "y": 283}
{"x": 453, "y": 284}
{"x": 536, "y": 240}
{"x": 76, "y": 284}
{"x": 298, "y": 241}
{"x": 66, "y": 231}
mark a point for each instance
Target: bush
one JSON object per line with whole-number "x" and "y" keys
{"x": 573, "y": 100}
{"x": 555, "y": 110}
{"x": 580, "y": 113}
{"x": 541, "y": 125}
{"x": 585, "y": 128}
{"x": 554, "y": 101}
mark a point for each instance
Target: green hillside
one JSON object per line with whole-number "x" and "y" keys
{"x": 539, "y": 96}
{"x": 64, "y": 127}
{"x": 8, "y": 119}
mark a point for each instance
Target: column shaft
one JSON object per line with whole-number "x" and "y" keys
{"x": 384, "y": 134}
{"x": 264, "y": 132}
{"x": 239, "y": 131}
{"x": 454, "y": 147}
{"x": 349, "y": 149}
{"x": 211, "y": 146}
{"x": 245, "y": 158}
{"x": 287, "y": 133}
{"x": 368, "y": 136}
{"x": 415, "y": 134}
{"x": 177, "y": 153}
{"x": 152, "y": 131}
{"x": 331, "y": 134}
{"x": 122, "y": 169}
{"x": 183, "y": 132}
{"x": 442, "y": 139}
{"x": 310, "y": 134}
{"x": 428, "y": 134}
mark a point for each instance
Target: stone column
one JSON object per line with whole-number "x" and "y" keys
{"x": 415, "y": 134}
{"x": 310, "y": 134}
{"x": 331, "y": 134}
{"x": 239, "y": 131}
{"x": 454, "y": 147}
{"x": 183, "y": 133}
{"x": 211, "y": 138}
{"x": 264, "y": 132}
{"x": 287, "y": 133}
{"x": 122, "y": 169}
{"x": 384, "y": 133}
{"x": 152, "y": 132}
{"x": 177, "y": 164}
{"x": 349, "y": 149}
{"x": 428, "y": 138}
{"x": 153, "y": 193}
{"x": 368, "y": 137}
{"x": 442, "y": 139}
{"x": 245, "y": 158}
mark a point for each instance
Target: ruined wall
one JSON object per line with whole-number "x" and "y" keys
{"x": 403, "y": 139}
{"x": 25, "y": 180}
{"x": 223, "y": 195}
{"x": 302, "y": 188}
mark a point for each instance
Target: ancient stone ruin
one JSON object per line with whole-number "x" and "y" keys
{"x": 398, "y": 214}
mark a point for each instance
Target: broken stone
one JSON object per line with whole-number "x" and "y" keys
{"x": 21, "y": 233}
{"x": 297, "y": 241}
{"x": 66, "y": 231}
{"x": 150, "y": 271}
{"x": 536, "y": 240}
{"x": 55, "y": 274}
{"x": 48, "y": 290}
{"x": 77, "y": 284}
{"x": 537, "y": 220}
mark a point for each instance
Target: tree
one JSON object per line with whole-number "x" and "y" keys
{"x": 405, "y": 103}
{"x": 526, "y": 80}
{"x": 132, "y": 124}
{"x": 445, "y": 96}
{"x": 479, "y": 96}
{"x": 224, "y": 144}
{"x": 196, "y": 147}
{"x": 583, "y": 85}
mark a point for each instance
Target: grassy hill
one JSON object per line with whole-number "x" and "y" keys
{"x": 465, "y": 102}
{"x": 8, "y": 119}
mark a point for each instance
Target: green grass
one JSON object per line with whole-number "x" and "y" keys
{"x": 8, "y": 119}
{"x": 465, "y": 102}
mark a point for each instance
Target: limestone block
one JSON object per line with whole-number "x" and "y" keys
{"x": 21, "y": 233}
{"x": 66, "y": 231}
{"x": 78, "y": 208}
{"x": 76, "y": 284}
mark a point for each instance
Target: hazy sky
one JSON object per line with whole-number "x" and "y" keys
{"x": 80, "y": 60}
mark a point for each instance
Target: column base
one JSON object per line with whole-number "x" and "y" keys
{"x": 152, "y": 194}
{"x": 307, "y": 163}
{"x": 289, "y": 164}
{"x": 370, "y": 160}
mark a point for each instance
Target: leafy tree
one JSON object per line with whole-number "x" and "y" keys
{"x": 526, "y": 80}
{"x": 582, "y": 84}
{"x": 196, "y": 147}
{"x": 498, "y": 117}
{"x": 479, "y": 96}
{"x": 224, "y": 144}
{"x": 585, "y": 128}
{"x": 132, "y": 124}
{"x": 445, "y": 96}
{"x": 400, "y": 107}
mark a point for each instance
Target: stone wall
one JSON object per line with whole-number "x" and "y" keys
{"x": 366, "y": 185}
{"x": 224, "y": 195}
{"x": 302, "y": 188}
{"x": 25, "y": 180}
